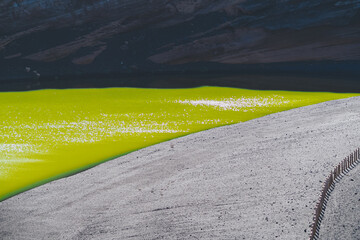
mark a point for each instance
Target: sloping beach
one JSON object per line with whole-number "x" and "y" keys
{"x": 258, "y": 179}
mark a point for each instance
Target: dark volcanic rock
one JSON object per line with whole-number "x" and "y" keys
{"x": 78, "y": 37}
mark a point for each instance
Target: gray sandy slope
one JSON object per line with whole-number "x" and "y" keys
{"x": 254, "y": 180}
{"x": 342, "y": 216}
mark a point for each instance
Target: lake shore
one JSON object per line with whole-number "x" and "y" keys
{"x": 252, "y": 180}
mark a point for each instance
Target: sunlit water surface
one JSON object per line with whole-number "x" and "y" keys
{"x": 48, "y": 134}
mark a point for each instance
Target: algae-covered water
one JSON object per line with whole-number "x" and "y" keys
{"x": 48, "y": 134}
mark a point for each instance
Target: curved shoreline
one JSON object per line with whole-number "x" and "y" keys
{"x": 250, "y": 180}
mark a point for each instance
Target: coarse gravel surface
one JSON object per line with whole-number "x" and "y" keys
{"x": 254, "y": 180}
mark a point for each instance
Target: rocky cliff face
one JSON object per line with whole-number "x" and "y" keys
{"x": 45, "y": 38}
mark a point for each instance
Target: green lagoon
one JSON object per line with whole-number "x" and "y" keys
{"x": 48, "y": 134}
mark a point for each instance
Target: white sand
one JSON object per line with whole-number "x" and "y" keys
{"x": 254, "y": 180}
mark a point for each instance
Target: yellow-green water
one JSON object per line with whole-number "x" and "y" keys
{"x": 48, "y": 134}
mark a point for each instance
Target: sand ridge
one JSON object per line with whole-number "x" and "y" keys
{"x": 254, "y": 180}
{"x": 342, "y": 214}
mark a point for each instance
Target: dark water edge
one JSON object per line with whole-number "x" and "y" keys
{"x": 188, "y": 80}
